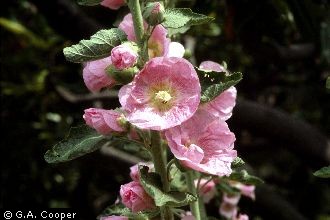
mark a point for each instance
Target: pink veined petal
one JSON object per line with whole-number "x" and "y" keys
{"x": 95, "y": 76}
{"x": 210, "y": 65}
{"x": 161, "y": 74}
{"x": 210, "y": 136}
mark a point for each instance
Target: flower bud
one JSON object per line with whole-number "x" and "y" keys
{"x": 103, "y": 121}
{"x": 122, "y": 76}
{"x": 124, "y": 56}
{"x": 134, "y": 197}
{"x": 95, "y": 76}
{"x": 154, "y": 13}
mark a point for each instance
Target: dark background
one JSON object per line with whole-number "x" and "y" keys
{"x": 281, "y": 121}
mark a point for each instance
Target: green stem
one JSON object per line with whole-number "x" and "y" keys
{"x": 194, "y": 206}
{"x": 135, "y": 8}
{"x": 158, "y": 157}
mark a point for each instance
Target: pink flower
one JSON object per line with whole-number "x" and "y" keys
{"x": 113, "y": 4}
{"x": 188, "y": 216}
{"x": 231, "y": 199}
{"x": 222, "y": 106}
{"x": 95, "y": 76}
{"x": 203, "y": 143}
{"x": 213, "y": 66}
{"x": 113, "y": 217}
{"x": 123, "y": 56}
{"x": 158, "y": 43}
{"x": 246, "y": 190}
{"x": 103, "y": 121}
{"x": 207, "y": 191}
{"x": 134, "y": 197}
{"x": 134, "y": 174}
{"x": 242, "y": 217}
{"x": 227, "y": 210}
{"x": 165, "y": 93}
{"x": 175, "y": 50}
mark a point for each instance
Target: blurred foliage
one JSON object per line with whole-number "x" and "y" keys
{"x": 253, "y": 37}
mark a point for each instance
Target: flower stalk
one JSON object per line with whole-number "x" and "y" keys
{"x": 158, "y": 157}
{"x": 135, "y": 8}
{"x": 194, "y": 206}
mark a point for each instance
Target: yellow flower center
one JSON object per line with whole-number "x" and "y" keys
{"x": 163, "y": 97}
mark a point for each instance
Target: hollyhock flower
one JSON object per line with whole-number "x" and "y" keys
{"x": 228, "y": 210}
{"x": 212, "y": 66}
{"x": 95, "y": 76}
{"x": 113, "y": 4}
{"x": 134, "y": 174}
{"x": 103, "y": 121}
{"x": 208, "y": 190}
{"x": 158, "y": 42}
{"x": 113, "y": 217}
{"x": 246, "y": 190}
{"x": 165, "y": 93}
{"x": 242, "y": 217}
{"x": 188, "y": 216}
{"x": 134, "y": 197}
{"x": 123, "y": 56}
{"x": 222, "y": 106}
{"x": 175, "y": 50}
{"x": 231, "y": 199}
{"x": 203, "y": 143}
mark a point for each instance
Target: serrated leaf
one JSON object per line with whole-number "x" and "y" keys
{"x": 323, "y": 172}
{"x": 327, "y": 84}
{"x": 183, "y": 17}
{"x": 89, "y": 2}
{"x": 243, "y": 177}
{"x": 80, "y": 141}
{"x": 212, "y": 91}
{"x": 97, "y": 47}
{"x": 238, "y": 162}
{"x": 121, "y": 210}
{"x": 152, "y": 184}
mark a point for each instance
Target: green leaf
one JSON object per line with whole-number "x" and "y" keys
{"x": 152, "y": 184}
{"x": 238, "y": 162}
{"x": 183, "y": 18}
{"x": 243, "y": 177}
{"x": 80, "y": 141}
{"x": 97, "y": 47}
{"x": 121, "y": 210}
{"x": 323, "y": 172}
{"x": 89, "y": 2}
{"x": 327, "y": 84}
{"x": 226, "y": 188}
{"x": 211, "y": 91}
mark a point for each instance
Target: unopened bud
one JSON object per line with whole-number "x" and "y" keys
{"x": 123, "y": 76}
{"x": 154, "y": 13}
{"x": 124, "y": 55}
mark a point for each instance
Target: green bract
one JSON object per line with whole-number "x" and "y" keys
{"x": 243, "y": 177}
{"x": 80, "y": 141}
{"x": 97, "y": 47}
{"x": 152, "y": 184}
